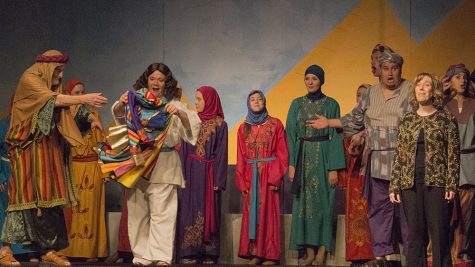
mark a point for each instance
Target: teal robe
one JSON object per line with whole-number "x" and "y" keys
{"x": 312, "y": 209}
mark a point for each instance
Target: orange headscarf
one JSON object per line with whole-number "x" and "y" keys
{"x": 70, "y": 85}
{"x": 35, "y": 89}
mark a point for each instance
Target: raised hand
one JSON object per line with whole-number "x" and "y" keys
{"x": 170, "y": 108}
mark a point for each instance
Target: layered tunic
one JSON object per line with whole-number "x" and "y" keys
{"x": 379, "y": 118}
{"x": 464, "y": 241}
{"x": 466, "y": 125}
{"x": 39, "y": 137}
{"x": 320, "y": 151}
{"x": 262, "y": 157}
{"x": 4, "y": 178}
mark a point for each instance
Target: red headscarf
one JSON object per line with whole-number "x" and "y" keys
{"x": 212, "y": 104}
{"x": 70, "y": 85}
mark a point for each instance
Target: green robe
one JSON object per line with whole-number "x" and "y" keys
{"x": 312, "y": 209}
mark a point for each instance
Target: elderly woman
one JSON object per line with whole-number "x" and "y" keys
{"x": 426, "y": 171}
{"x": 315, "y": 155}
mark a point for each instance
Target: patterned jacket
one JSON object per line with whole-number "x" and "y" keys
{"x": 442, "y": 151}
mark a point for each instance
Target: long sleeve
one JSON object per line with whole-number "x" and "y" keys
{"x": 291, "y": 132}
{"x": 117, "y": 120}
{"x": 395, "y": 181}
{"x": 188, "y": 135}
{"x": 241, "y": 161}
{"x": 183, "y": 152}
{"x": 353, "y": 122}
{"x": 221, "y": 161}
{"x": 453, "y": 154}
{"x": 336, "y": 157}
{"x": 279, "y": 167}
{"x": 178, "y": 132}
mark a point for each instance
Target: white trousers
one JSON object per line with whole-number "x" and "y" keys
{"x": 152, "y": 221}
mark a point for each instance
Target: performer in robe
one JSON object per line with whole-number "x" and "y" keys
{"x": 262, "y": 160}
{"x": 314, "y": 158}
{"x": 462, "y": 106}
{"x": 41, "y": 130}
{"x": 86, "y": 221}
{"x": 357, "y": 237}
{"x": 153, "y": 199}
{"x": 205, "y": 170}
{"x": 5, "y": 172}
{"x": 378, "y": 114}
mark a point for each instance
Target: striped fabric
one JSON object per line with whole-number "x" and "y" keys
{"x": 38, "y": 170}
{"x": 147, "y": 126}
{"x": 379, "y": 118}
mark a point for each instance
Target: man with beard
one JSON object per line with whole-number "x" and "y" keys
{"x": 41, "y": 129}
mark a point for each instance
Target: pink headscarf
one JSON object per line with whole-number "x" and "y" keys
{"x": 212, "y": 104}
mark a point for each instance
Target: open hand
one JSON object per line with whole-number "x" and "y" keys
{"x": 95, "y": 99}
{"x": 319, "y": 123}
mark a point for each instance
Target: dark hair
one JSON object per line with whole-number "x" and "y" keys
{"x": 171, "y": 90}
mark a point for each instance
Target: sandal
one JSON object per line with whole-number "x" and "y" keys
{"x": 54, "y": 259}
{"x": 189, "y": 261}
{"x": 162, "y": 263}
{"x": 209, "y": 261}
{"x": 7, "y": 259}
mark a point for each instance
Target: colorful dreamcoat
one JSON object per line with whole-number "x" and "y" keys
{"x": 132, "y": 149}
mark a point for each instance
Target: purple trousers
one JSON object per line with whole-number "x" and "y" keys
{"x": 387, "y": 222}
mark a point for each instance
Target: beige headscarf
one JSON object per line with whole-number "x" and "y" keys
{"x": 33, "y": 92}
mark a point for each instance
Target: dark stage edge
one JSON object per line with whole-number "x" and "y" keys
{"x": 102, "y": 264}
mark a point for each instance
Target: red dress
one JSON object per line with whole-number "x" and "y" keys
{"x": 263, "y": 142}
{"x": 358, "y": 240}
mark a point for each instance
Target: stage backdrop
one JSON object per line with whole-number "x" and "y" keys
{"x": 235, "y": 46}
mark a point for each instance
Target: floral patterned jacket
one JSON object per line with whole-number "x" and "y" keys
{"x": 442, "y": 151}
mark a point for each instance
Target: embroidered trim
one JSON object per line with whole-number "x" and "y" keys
{"x": 206, "y": 130}
{"x": 193, "y": 236}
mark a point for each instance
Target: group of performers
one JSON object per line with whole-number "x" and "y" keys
{"x": 404, "y": 154}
